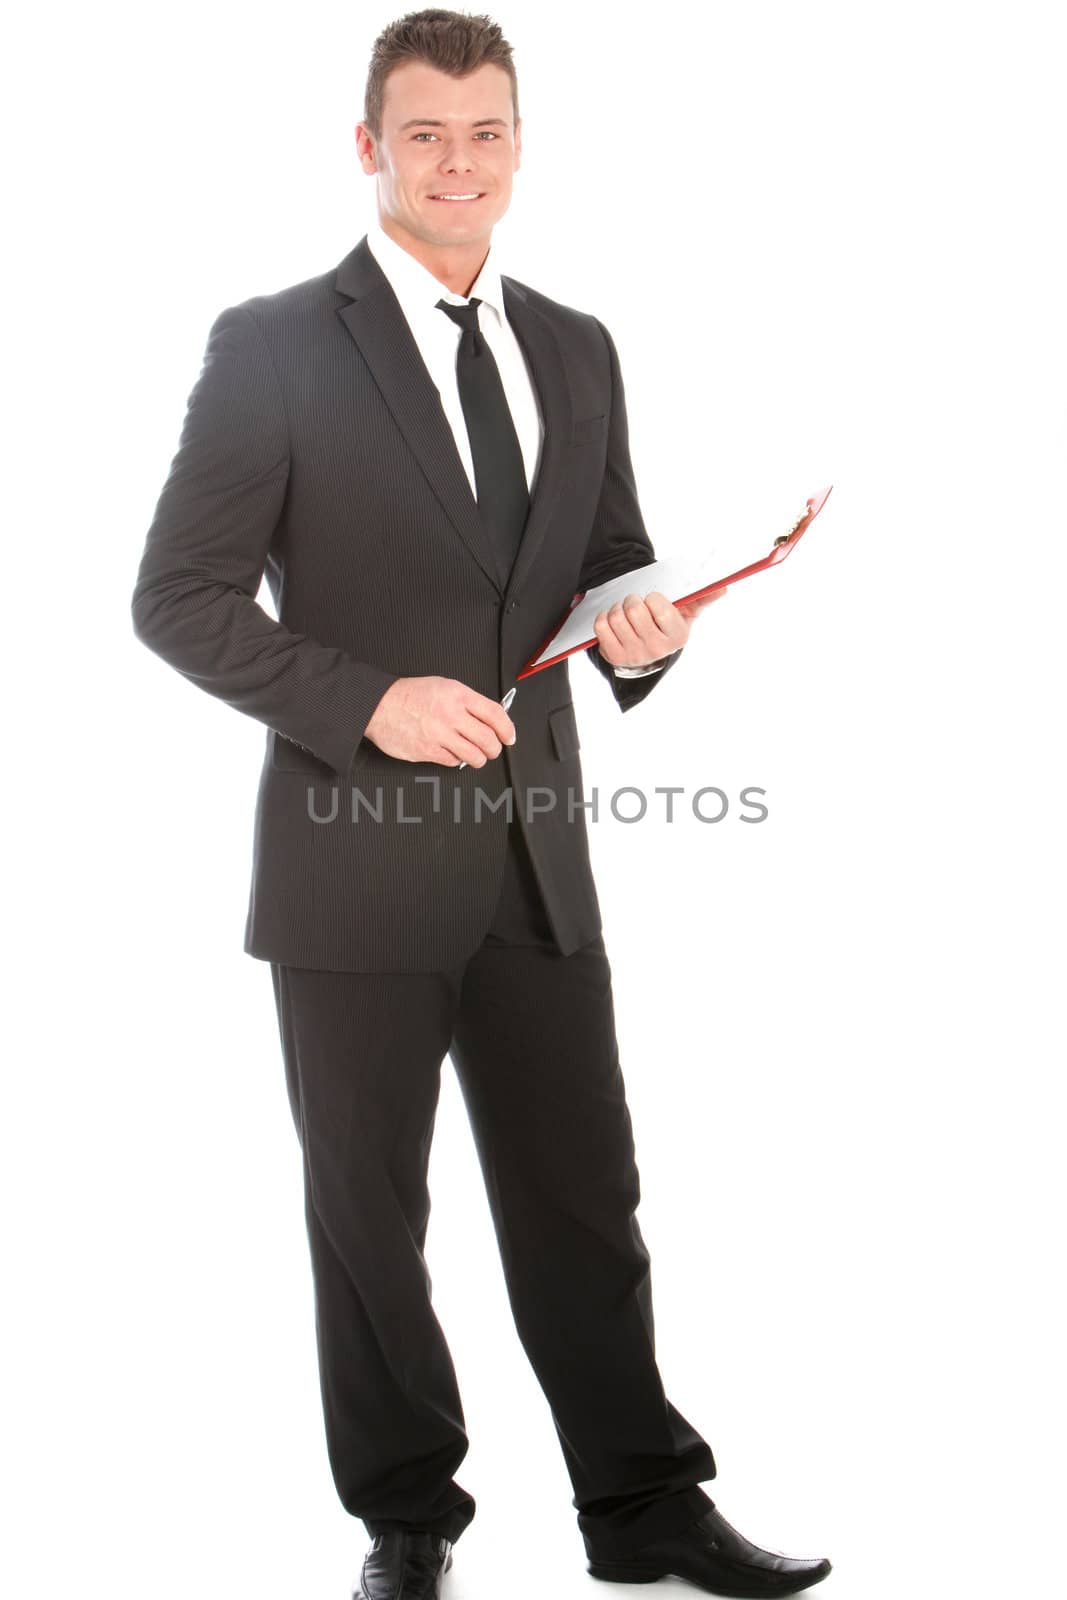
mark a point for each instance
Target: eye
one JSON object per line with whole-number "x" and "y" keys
{"x": 484, "y": 133}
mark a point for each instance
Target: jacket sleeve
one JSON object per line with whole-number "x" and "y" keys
{"x": 194, "y": 602}
{"x": 619, "y": 540}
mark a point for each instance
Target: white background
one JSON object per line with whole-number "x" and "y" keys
{"x": 827, "y": 239}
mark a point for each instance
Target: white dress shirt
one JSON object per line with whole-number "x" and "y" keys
{"x": 437, "y": 338}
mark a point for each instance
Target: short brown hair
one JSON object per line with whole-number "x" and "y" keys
{"x": 452, "y": 41}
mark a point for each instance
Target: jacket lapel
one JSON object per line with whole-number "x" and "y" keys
{"x": 375, "y": 321}
{"x": 541, "y": 348}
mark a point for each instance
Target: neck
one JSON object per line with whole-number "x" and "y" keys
{"x": 455, "y": 266}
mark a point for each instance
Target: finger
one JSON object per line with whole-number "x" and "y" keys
{"x": 691, "y": 609}
{"x": 623, "y": 617}
{"x": 492, "y": 714}
{"x": 618, "y": 641}
{"x": 653, "y": 641}
{"x": 479, "y": 734}
{"x": 606, "y": 635}
{"x": 666, "y": 616}
{"x": 463, "y": 749}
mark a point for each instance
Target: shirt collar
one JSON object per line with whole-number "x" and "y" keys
{"x": 416, "y": 287}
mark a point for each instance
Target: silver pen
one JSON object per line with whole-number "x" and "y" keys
{"x": 506, "y": 703}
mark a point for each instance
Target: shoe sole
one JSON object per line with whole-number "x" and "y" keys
{"x": 625, "y": 1572}
{"x": 619, "y": 1572}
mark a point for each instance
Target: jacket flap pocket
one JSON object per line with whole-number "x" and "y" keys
{"x": 287, "y": 756}
{"x": 564, "y": 726}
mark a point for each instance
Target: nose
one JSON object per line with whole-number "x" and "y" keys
{"x": 456, "y": 159}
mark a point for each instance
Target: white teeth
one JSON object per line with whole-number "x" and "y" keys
{"x": 455, "y": 196}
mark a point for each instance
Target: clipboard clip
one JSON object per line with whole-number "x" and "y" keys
{"x": 784, "y": 538}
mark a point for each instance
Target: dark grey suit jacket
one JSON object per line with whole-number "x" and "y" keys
{"x": 315, "y": 450}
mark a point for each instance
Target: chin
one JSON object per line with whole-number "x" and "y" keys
{"x": 459, "y": 233}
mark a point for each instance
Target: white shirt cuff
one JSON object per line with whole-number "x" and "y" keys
{"x": 637, "y": 672}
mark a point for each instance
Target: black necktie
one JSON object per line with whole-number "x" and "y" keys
{"x": 499, "y": 473}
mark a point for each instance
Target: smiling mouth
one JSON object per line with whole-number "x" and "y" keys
{"x": 457, "y": 197}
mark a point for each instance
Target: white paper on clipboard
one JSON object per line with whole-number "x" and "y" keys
{"x": 675, "y": 576}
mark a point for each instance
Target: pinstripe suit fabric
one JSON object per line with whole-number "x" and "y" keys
{"x": 315, "y": 451}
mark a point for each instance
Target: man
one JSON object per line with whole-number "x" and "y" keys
{"x": 428, "y": 460}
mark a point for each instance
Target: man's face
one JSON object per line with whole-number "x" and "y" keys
{"x": 444, "y": 136}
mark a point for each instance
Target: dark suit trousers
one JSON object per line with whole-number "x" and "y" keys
{"x": 532, "y": 1038}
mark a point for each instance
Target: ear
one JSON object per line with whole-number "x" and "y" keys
{"x": 365, "y": 148}
{"x": 518, "y": 144}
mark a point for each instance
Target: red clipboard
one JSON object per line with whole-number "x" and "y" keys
{"x": 782, "y": 547}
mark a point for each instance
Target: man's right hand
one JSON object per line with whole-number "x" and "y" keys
{"x": 439, "y": 719}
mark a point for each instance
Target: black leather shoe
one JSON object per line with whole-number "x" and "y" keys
{"x": 404, "y": 1564}
{"x": 715, "y": 1557}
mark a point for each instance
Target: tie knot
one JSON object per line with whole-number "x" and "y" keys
{"x": 466, "y": 316}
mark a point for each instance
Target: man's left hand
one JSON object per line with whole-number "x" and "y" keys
{"x": 635, "y": 632}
